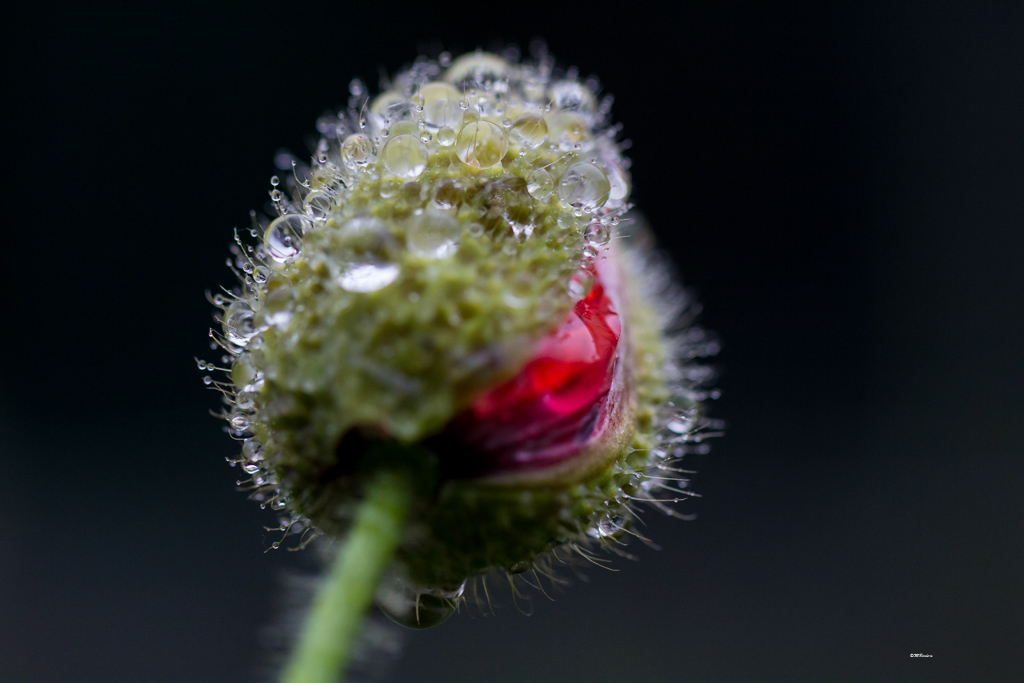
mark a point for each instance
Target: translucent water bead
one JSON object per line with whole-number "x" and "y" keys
{"x": 372, "y": 256}
{"x": 356, "y": 151}
{"x": 245, "y": 375}
{"x": 404, "y": 156}
{"x": 584, "y": 186}
{"x": 580, "y": 284}
{"x": 481, "y": 144}
{"x": 317, "y": 205}
{"x": 433, "y": 235}
{"x": 277, "y": 302}
{"x": 283, "y": 239}
{"x": 539, "y": 183}
{"x": 415, "y": 607}
{"x": 568, "y": 131}
{"x": 445, "y": 136}
{"x": 529, "y": 130}
{"x": 572, "y": 96}
{"x": 477, "y": 67}
{"x": 239, "y": 324}
{"x": 389, "y": 108}
{"x": 441, "y": 106}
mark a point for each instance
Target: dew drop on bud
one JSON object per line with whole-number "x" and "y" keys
{"x": 433, "y": 235}
{"x": 239, "y": 324}
{"x": 477, "y": 67}
{"x": 539, "y": 183}
{"x": 404, "y": 156}
{"x": 599, "y": 234}
{"x": 580, "y": 284}
{"x": 441, "y": 105}
{"x": 415, "y": 607}
{"x": 372, "y": 253}
{"x": 572, "y": 96}
{"x": 252, "y": 450}
{"x": 317, "y": 205}
{"x": 239, "y": 421}
{"x": 356, "y": 151}
{"x": 244, "y": 374}
{"x": 529, "y": 130}
{"x": 584, "y": 186}
{"x": 445, "y": 136}
{"x": 481, "y": 144}
{"x": 284, "y": 236}
{"x": 388, "y": 108}
{"x": 567, "y": 130}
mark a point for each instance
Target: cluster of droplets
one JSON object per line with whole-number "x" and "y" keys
{"x": 481, "y": 113}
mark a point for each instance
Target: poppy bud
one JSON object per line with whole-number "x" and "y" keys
{"x": 456, "y": 289}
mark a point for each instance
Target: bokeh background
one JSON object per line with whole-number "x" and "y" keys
{"x": 843, "y": 186}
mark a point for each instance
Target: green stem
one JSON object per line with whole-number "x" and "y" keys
{"x": 331, "y": 629}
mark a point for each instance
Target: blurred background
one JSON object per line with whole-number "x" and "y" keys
{"x": 842, "y": 186}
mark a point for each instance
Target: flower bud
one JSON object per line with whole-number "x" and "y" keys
{"x": 456, "y": 288}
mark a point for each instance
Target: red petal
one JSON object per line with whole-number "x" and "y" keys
{"x": 551, "y": 408}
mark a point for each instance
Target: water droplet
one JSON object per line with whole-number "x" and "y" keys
{"x": 405, "y": 156}
{"x": 567, "y": 221}
{"x": 356, "y": 151}
{"x": 448, "y": 195}
{"x": 441, "y": 105}
{"x": 388, "y": 108}
{"x": 415, "y": 607}
{"x": 539, "y": 183}
{"x": 481, "y": 144}
{"x": 207, "y": 380}
{"x": 477, "y": 67}
{"x": 599, "y": 233}
{"x": 618, "y": 180}
{"x": 404, "y": 128}
{"x": 445, "y": 136}
{"x": 252, "y": 450}
{"x": 529, "y": 130}
{"x": 680, "y": 425}
{"x": 572, "y": 96}
{"x": 433, "y": 235}
{"x": 584, "y": 186}
{"x": 611, "y": 526}
{"x": 245, "y": 375}
{"x": 372, "y": 255}
{"x": 239, "y": 421}
{"x": 568, "y": 131}
{"x": 277, "y": 306}
{"x": 317, "y": 205}
{"x": 580, "y": 284}
{"x": 274, "y": 182}
{"x": 284, "y": 236}
{"x": 251, "y": 468}
{"x": 239, "y": 324}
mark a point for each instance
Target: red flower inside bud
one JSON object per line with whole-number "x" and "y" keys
{"x": 557, "y": 404}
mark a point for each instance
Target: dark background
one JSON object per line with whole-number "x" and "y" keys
{"x": 842, "y": 186}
